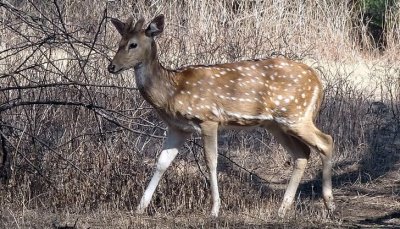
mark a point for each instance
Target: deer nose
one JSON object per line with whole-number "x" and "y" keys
{"x": 111, "y": 68}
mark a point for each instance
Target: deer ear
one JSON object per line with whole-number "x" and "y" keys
{"x": 119, "y": 25}
{"x": 155, "y": 27}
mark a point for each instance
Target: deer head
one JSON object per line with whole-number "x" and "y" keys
{"x": 137, "y": 45}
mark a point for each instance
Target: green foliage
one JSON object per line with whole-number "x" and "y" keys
{"x": 375, "y": 10}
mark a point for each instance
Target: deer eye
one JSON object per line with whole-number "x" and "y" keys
{"x": 132, "y": 45}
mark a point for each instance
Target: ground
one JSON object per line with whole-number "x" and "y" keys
{"x": 372, "y": 204}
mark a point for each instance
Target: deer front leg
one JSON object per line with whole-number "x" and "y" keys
{"x": 175, "y": 139}
{"x": 209, "y": 132}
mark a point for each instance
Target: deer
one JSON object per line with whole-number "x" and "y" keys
{"x": 278, "y": 94}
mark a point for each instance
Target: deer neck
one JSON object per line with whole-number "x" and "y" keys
{"x": 155, "y": 83}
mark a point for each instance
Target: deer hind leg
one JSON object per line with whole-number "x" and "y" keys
{"x": 300, "y": 153}
{"x": 323, "y": 144}
{"x": 175, "y": 139}
{"x": 209, "y": 131}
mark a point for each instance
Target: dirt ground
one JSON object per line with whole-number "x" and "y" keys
{"x": 371, "y": 204}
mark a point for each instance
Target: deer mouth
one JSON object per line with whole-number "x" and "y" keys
{"x": 112, "y": 68}
{"x": 117, "y": 72}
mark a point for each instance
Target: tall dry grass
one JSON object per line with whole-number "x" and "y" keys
{"x": 80, "y": 140}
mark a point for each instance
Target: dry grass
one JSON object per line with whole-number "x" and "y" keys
{"x": 91, "y": 163}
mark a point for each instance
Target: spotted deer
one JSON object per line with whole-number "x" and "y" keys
{"x": 280, "y": 95}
